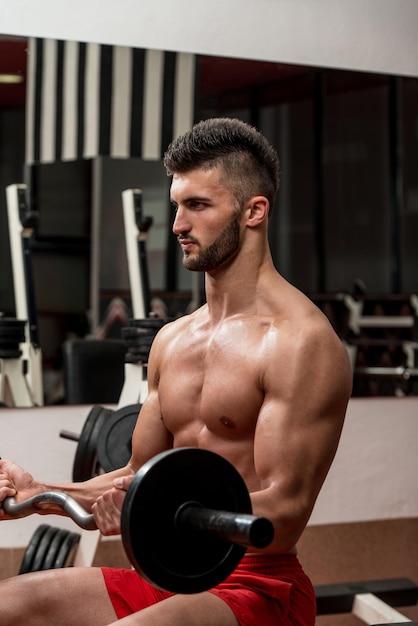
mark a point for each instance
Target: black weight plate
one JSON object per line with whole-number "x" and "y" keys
{"x": 12, "y": 334}
{"x": 66, "y": 553}
{"x": 148, "y": 322}
{"x": 135, "y": 358}
{"x": 140, "y": 348}
{"x": 42, "y": 549}
{"x": 10, "y": 354}
{"x": 31, "y": 549}
{"x": 133, "y": 332}
{"x": 11, "y": 322}
{"x": 141, "y": 341}
{"x": 85, "y": 460}
{"x": 181, "y": 562}
{"x": 54, "y": 547}
{"x": 139, "y": 354}
{"x": 114, "y": 445}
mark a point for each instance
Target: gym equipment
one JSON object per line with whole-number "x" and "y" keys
{"x": 137, "y": 226}
{"x": 135, "y": 385}
{"x": 357, "y": 320}
{"x": 14, "y": 385}
{"x": 380, "y": 332}
{"x": 189, "y": 548}
{"x": 104, "y": 443}
{"x": 49, "y": 548}
{"x": 368, "y": 600}
{"x": 136, "y": 232}
{"x": 186, "y": 519}
{"x": 85, "y": 464}
{"x": 138, "y": 337}
{"x": 93, "y": 370}
{"x": 114, "y": 445}
{"x": 12, "y": 334}
{"x": 61, "y": 499}
{"x": 31, "y": 549}
{"x": 22, "y": 222}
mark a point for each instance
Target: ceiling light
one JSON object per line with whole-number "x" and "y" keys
{"x": 11, "y": 79}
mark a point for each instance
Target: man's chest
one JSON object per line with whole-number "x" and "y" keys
{"x": 213, "y": 380}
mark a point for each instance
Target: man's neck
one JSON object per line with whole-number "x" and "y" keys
{"x": 234, "y": 290}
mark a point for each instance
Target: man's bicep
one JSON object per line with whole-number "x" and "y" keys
{"x": 298, "y": 431}
{"x": 150, "y": 435}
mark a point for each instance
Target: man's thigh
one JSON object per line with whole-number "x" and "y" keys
{"x": 70, "y": 596}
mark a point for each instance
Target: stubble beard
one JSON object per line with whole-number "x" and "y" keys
{"x": 221, "y": 250}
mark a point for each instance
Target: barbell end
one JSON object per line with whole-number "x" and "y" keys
{"x": 67, "y": 434}
{"x": 241, "y": 528}
{"x": 261, "y": 532}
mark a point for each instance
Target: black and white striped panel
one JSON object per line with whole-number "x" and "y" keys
{"x": 86, "y": 100}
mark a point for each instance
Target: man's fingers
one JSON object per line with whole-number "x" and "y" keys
{"x": 123, "y": 482}
{"x": 6, "y": 489}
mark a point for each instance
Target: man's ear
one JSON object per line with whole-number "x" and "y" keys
{"x": 257, "y": 211}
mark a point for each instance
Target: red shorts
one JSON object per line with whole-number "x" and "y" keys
{"x": 264, "y": 589}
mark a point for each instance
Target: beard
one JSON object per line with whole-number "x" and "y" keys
{"x": 221, "y": 250}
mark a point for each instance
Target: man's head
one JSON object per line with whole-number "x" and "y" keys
{"x": 249, "y": 165}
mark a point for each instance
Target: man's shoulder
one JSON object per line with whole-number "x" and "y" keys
{"x": 174, "y": 326}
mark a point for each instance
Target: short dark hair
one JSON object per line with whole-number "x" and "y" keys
{"x": 250, "y": 165}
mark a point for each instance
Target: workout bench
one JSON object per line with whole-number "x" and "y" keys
{"x": 368, "y": 600}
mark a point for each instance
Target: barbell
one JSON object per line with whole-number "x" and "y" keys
{"x": 186, "y": 519}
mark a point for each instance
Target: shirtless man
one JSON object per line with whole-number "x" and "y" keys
{"x": 256, "y": 374}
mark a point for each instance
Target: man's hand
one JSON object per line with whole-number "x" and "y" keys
{"x": 108, "y": 506}
{"x": 17, "y": 482}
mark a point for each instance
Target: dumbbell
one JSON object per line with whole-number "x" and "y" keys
{"x": 186, "y": 519}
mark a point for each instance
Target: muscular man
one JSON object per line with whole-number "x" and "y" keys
{"x": 256, "y": 374}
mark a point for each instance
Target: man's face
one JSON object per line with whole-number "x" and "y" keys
{"x": 207, "y": 220}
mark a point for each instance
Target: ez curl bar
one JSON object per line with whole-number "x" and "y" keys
{"x": 186, "y": 520}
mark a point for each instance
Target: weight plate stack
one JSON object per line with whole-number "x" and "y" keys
{"x": 49, "y": 548}
{"x": 12, "y": 333}
{"x": 114, "y": 447}
{"x": 67, "y": 551}
{"x": 28, "y": 557}
{"x": 138, "y": 337}
{"x": 86, "y": 465}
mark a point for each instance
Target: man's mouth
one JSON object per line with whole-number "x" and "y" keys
{"x": 186, "y": 244}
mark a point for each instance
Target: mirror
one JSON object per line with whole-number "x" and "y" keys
{"x": 347, "y": 209}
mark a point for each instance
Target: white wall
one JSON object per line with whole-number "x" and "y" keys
{"x": 373, "y": 476}
{"x": 372, "y": 35}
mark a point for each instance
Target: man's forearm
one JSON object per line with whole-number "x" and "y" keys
{"x": 85, "y": 493}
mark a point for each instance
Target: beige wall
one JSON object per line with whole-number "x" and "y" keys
{"x": 373, "y": 476}
{"x": 342, "y": 553}
{"x": 371, "y": 35}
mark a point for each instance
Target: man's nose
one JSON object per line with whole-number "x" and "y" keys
{"x": 181, "y": 223}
